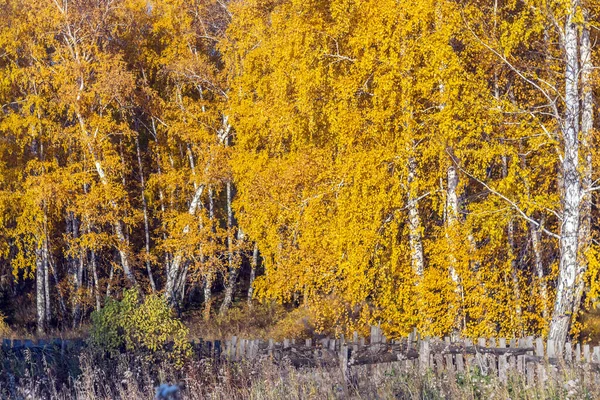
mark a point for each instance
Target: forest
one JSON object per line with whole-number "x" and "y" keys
{"x": 427, "y": 164}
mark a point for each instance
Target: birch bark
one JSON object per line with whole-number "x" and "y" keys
{"x": 40, "y": 290}
{"x": 587, "y": 125}
{"x": 414, "y": 221}
{"x": 145, "y": 213}
{"x": 233, "y": 268}
{"x": 253, "y": 266}
{"x": 571, "y": 186}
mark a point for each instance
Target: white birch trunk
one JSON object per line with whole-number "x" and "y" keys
{"x": 452, "y": 216}
{"x": 209, "y": 275}
{"x": 40, "y": 290}
{"x": 145, "y": 213}
{"x": 96, "y": 281}
{"x": 414, "y": 221}
{"x": 208, "y": 282}
{"x": 571, "y": 185}
{"x": 123, "y": 242}
{"x": 452, "y": 207}
{"x": 587, "y": 125}
{"x": 233, "y": 269}
{"x": 253, "y": 266}
{"x": 46, "y": 261}
{"x": 174, "y": 269}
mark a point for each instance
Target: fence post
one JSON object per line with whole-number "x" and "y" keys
{"x": 460, "y": 362}
{"x": 493, "y": 358}
{"x": 596, "y": 355}
{"x": 568, "y": 353}
{"x": 529, "y": 367}
{"x": 448, "y": 356}
{"x": 373, "y": 338}
{"x": 424, "y": 352}
{"x": 586, "y": 354}
{"x": 480, "y": 358}
{"x": 502, "y": 362}
{"x": 539, "y": 351}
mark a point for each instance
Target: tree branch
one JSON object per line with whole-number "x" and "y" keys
{"x": 503, "y": 197}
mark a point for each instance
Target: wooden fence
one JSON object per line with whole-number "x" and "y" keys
{"x": 531, "y": 357}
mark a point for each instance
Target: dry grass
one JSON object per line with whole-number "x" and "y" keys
{"x": 126, "y": 377}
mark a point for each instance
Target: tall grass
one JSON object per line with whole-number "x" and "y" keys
{"x": 129, "y": 378}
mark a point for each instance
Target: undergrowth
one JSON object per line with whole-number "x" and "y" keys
{"x": 129, "y": 377}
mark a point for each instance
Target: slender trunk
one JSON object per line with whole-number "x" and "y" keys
{"x": 174, "y": 269}
{"x": 452, "y": 216}
{"x": 46, "y": 261}
{"x": 587, "y": 125}
{"x": 76, "y": 271}
{"x": 512, "y": 253}
{"x": 123, "y": 253}
{"x": 80, "y": 270}
{"x": 161, "y": 198}
{"x": 61, "y": 299}
{"x": 95, "y": 275}
{"x": 571, "y": 183}
{"x": 536, "y": 244}
{"x": 111, "y": 274}
{"x": 86, "y": 140}
{"x": 145, "y": 212}
{"x": 536, "y": 241}
{"x": 208, "y": 275}
{"x": 124, "y": 183}
{"x": 40, "y": 290}
{"x": 414, "y": 221}
{"x": 208, "y": 281}
{"x": 233, "y": 268}
{"x": 514, "y": 270}
{"x": 180, "y": 286}
{"x": 122, "y": 240}
{"x": 47, "y": 285}
{"x": 253, "y": 266}
{"x": 452, "y": 207}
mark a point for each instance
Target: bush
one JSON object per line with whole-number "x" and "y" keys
{"x": 145, "y": 327}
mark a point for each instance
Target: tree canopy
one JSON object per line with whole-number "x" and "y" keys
{"x": 426, "y": 163}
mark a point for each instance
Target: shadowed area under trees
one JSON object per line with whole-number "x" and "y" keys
{"x": 427, "y": 164}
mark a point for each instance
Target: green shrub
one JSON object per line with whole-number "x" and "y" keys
{"x": 147, "y": 328}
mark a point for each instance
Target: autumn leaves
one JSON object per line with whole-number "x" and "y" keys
{"x": 400, "y": 162}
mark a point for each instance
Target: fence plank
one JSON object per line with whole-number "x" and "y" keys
{"x": 502, "y": 363}
{"x": 449, "y": 361}
{"x": 529, "y": 366}
{"x": 539, "y": 351}
{"x": 568, "y": 353}
{"x": 424, "y": 352}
